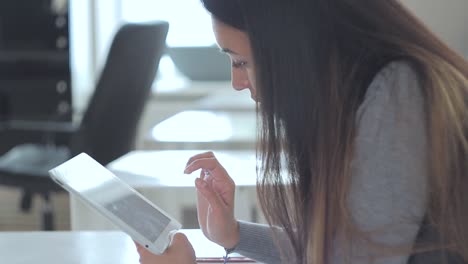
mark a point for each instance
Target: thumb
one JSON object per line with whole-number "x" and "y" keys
{"x": 180, "y": 241}
{"x": 209, "y": 194}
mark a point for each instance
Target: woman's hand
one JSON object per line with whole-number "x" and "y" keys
{"x": 179, "y": 252}
{"x": 215, "y": 204}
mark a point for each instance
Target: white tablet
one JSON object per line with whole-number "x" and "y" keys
{"x": 121, "y": 204}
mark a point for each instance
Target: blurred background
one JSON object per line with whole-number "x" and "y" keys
{"x": 54, "y": 56}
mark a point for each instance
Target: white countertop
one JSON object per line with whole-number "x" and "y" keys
{"x": 103, "y": 247}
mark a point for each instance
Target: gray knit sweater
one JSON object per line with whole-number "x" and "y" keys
{"x": 389, "y": 180}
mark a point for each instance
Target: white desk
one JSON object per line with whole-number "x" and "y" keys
{"x": 159, "y": 176}
{"x": 203, "y": 129}
{"x": 184, "y": 89}
{"x": 84, "y": 247}
{"x": 226, "y": 100}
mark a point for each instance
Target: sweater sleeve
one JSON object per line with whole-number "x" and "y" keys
{"x": 256, "y": 242}
{"x": 388, "y": 191}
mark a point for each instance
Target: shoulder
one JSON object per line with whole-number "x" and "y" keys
{"x": 396, "y": 84}
{"x": 394, "y": 73}
{"x": 389, "y": 181}
{"x": 394, "y": 104}
{"x": 389, "y": 184}
{"x": 391, "y": 122}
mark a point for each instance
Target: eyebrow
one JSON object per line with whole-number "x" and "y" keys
{"x": 225, "y": 50}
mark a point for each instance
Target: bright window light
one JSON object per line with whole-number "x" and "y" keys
{"x": 190, "y": 24}
{"x": 194, "y": 126}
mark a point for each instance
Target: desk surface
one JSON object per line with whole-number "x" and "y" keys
{"x": 84, "y": 247}
{"x": 226, "y": 100}
{"x": 165, "y": 168}
{"x": 205, "y": 130}
{"x": 180, "y": 88}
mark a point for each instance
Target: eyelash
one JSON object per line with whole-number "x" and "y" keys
{"x": 238, "y": 64}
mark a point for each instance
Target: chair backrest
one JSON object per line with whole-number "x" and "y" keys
{"x": 109, "y": 125}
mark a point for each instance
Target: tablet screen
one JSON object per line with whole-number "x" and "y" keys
{"x": 135, "y": 212}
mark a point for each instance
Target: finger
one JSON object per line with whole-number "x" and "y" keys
{"x": 209, "y": 194}
{"x": 203, "y": 163}
{"x": 208, "y": 154}
{"x": 140, "y": 249}
{"x": 136, "y": 244}
{"x": 202, "y": 209}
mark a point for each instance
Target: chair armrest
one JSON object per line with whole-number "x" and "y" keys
{"x": 41, "y": 126}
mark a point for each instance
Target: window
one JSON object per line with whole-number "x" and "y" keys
{"x": 96, "y": 21}
{"x": 190, "y": 24}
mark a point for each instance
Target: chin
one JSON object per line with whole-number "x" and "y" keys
{"x": 254, "y": 97}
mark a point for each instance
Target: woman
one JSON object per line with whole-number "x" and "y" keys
{"x": 366, "y": 111}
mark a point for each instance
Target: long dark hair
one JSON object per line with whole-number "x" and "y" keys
{"x": 314, "y": 60}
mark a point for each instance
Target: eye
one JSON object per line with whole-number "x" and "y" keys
{"x": 238, "y": 64}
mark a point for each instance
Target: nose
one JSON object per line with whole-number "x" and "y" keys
{"x": 239, "y": 80}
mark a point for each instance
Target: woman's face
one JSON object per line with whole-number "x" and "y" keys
{"x": 236, "y": 45}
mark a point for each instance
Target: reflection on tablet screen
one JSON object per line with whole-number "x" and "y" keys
{"x": 137, "y": 213}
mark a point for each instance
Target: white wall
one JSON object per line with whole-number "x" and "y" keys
{"x": 93, "y": 24}
{"x": 81, "y": 51}
{"x": 447, "y": 18}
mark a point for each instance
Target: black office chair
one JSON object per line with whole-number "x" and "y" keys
{"x": 108, "y": 127}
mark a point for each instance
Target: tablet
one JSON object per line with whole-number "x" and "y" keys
{"x": 100, "y": 189}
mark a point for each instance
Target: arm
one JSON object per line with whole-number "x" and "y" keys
{"x": 389, "y": 189}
